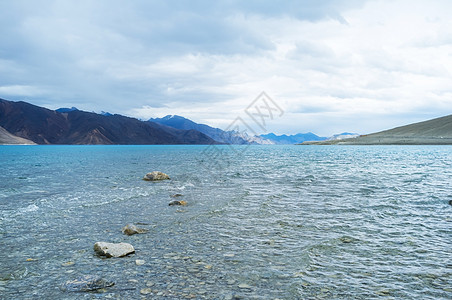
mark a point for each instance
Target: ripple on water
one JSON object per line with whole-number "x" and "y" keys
{"x": 278, "y": 222}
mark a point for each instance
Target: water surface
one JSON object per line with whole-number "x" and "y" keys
{"x": 287, "y": 222}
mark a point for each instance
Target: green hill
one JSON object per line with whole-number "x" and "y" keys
{"x": 432, "y": 132}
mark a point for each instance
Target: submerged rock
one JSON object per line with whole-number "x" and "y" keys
{"x": 86, "y": 283}
{"x": 131, "y": 229}
{"x": 140, "y": 262}
{"x": 176, "y": 195}
{"x": 156, "y": 175}
{"x": 113, "y": 250}
{"x": 178, "y": 202}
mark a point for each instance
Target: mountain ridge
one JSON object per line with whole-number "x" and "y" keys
{"x": 226, "y": 137}
{"x": 292, "y": 139}
{"x": 45, "y": 126}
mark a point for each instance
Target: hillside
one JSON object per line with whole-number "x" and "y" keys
{"x": 7, "y": 138}
{"x": 45, "y": 126}
{"x": 432, "y": 132}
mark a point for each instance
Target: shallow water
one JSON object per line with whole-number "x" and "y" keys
{"x": 288, "y": 222}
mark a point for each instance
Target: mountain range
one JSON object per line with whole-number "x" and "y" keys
{"x": 227, "y": 137}
{"x": 22, "y": 120}
{"x": 292, "y": 139}
{"x": 24, "y": 123}
{"x": 234, "y": 137}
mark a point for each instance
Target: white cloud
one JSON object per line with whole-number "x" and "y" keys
{"x": 360, "y": 65}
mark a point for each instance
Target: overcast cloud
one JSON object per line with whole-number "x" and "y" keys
{"x": 333, "y": 66}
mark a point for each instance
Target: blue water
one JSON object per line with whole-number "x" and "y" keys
{"x": 262, "y": 222}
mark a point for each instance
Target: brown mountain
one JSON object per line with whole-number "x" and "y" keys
{"x": 432, "y": 132}
{"x": 45, "y": 126}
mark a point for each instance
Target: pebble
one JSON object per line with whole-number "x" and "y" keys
{"x": 86, "y": 283}
{"x": 150, "y": 283}
{"x": 155, "y": 176}
{"x": 346, "y": 239}
{"x": 230, "y": 281}
{"x": 228, "y": 297}
{"x": 383, "y": 292}
{"x": 131, "y": 229}
{"x": 67, "y": 264}
{"x": 145, "y": 291}
{"x": 244, "y": 286}
{"x": 229, "y": 255}
{"x": 140, "y": 262}
{"x": 178, "y": 202}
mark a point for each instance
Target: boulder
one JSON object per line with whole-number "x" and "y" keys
{"x": 178, "y": 202}
{"x": 113, "y": 250}
{"x": 156, "y": 175}
{"x": 131, "y": 229}
{"x": 86, "y": 283}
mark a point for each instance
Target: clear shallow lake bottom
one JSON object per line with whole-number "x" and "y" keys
{"x": 269, "y": 222}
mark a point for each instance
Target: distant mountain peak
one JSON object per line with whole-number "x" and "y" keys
{"x": 66, "y": 110}
{"x": 292, "y": 139}
{"x": 344, "y": 135}
{"x": 106, "y": 113}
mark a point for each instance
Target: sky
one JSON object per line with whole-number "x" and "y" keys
{"x": 330, "y": 65}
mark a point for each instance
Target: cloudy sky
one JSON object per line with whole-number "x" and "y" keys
{"x": 331, "y": 65}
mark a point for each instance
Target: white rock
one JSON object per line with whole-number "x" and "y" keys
{"x": 113, "y": 250}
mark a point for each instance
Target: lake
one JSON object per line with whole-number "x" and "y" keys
{"x": 262, "y": 222}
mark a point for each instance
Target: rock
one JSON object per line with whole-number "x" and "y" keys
{"x": 450, "y": 202}
{"x": 156, "y": 175}
{"x": 113, "y": 250}
{"x": 140, "y": 262}
{"x": 176, "y": 195}
{"x": 131, "y": 229}
{"x": 244, "y": 286}
{"x": 86, "y": 283}
{"x": 67, "y": 264}
{"x": 178, "y": 202}
{"x": 145, "y": 291}
{"x": 346, "y": 239}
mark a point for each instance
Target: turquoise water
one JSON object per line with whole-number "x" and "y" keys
{"x": 287, "y": 222}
